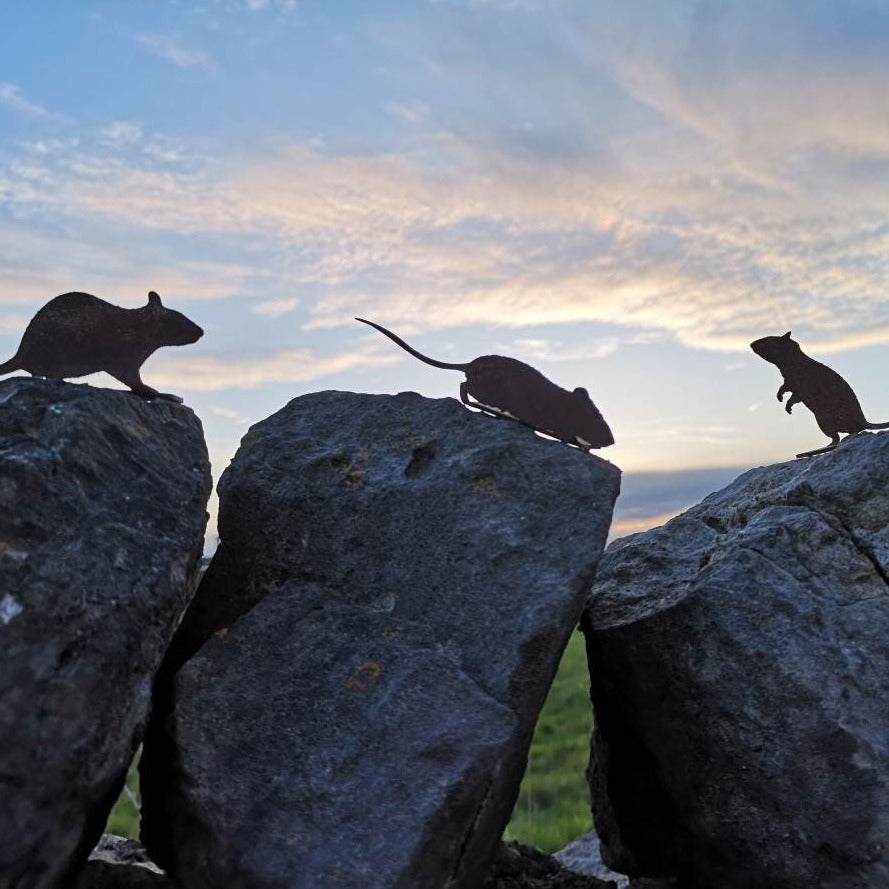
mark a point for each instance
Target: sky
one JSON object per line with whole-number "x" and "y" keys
{"x": 622, "y": 194}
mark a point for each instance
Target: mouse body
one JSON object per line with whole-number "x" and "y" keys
{"x": 506, "y": 387}
{"x": 820, "y": 388}
{"x": 76, "y": 334}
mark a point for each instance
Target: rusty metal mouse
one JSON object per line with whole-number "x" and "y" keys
{"x": 506, "y": 387}
{"x": 821, "y": 389}
{"x": 77, "y": 334}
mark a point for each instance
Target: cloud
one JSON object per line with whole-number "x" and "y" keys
{"x": 622, "y": 527}
{"x": 274, "y": 308}
{"x": 508, "y": 240}
{"x": 409, "y": 112}
{"x": 13, "y": 324}
{"x": 208, "y": 373}
{"x": 649, "y": 499}
{"x": 11, "y": 96}
{"x": 169, "y": 48}
{"x": 256, "y": 5}
{"x": 678, "y": 178}
{"x": 36, "y": 266}
{"x": 236, "y": 417}
{"x": 121, "y": 134}
{"x": 554, "y": 350}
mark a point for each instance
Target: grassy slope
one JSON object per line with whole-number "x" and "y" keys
{"x": 124, "y": 817}
{"x": 553, "y": 806}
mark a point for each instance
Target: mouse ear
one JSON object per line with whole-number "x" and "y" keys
{"x": 786, "y": 336}
{"x": 153, "y": 298}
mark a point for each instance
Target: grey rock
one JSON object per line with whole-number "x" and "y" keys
{"x": 102, "y": 514}
{"x": 583, "y": 856}
{"x": 396, "y": 580}
{"x": 740, "y": 675}
{"x": 517, "y": 866}
{"x": 121, "y": 863}
{"x": 113, "y": 849}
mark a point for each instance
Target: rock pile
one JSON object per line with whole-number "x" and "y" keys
{"x": 351, "y": 696}
{"x": 102, "y": 514}
{"x": 740, "y": 675}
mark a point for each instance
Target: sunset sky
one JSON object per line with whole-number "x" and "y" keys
{"x": 623, "y": 194}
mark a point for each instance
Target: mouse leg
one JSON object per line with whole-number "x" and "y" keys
{"x": 134, "y": 381}
{"x": 782, "y": 391}
{"x": 464, "y": 397}
{"x": 835, "y": 440}
{"x": 791, "y": 402}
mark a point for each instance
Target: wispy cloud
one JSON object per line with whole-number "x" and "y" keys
{"x": 121, "y": 134}
{"x": 236, "y": 417}
{"x": 510, "y": 240}
{"x": 274, "y": 308}
{"x": 703, "y": 196}
{"x": 11, "y": 96}
{"x": 256, "y": 5}
{"x": 410, "y": 112}
{"x": 35, "y": 266}
{"x": 555, "y": 350}
{"x": 170, "y": 48}
{"x": 214, "y": 374}
{"x": 12, "y": 323}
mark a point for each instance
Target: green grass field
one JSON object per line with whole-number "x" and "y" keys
{"x": 553, "y": 806}
{"x": 124, "y": 818}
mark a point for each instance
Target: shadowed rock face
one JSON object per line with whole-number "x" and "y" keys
{"x": 740, "y": 674}
{"x": 397, "y": 579}
{"x": 102, "y": 512}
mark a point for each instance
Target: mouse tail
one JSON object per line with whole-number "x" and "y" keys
{"x": 877, "y": 425}
{"x": 11, "y": 365}
{"x": 425, "y": 358}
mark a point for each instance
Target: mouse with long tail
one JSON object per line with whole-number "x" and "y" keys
{"x": 506, "y": 387}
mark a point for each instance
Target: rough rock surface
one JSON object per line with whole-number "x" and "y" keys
{"x": 583, "y": 856}
{"x": 102, "y": 514}
{"x": 740, "y": 674}
{"x": 119, "y": 863}
{"x": 396, "y": 581}
{"x": 517, "y": 866}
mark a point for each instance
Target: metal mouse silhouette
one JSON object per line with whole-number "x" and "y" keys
{"x": 822, "y": 390}
{"x": 506, "y": 387}
{"x": 77, "y": 334}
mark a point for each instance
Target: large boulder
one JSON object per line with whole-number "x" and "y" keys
{"x": 740, "y": 679}
{"x": 367, "y": 654}
{"x": 102, "y": 513}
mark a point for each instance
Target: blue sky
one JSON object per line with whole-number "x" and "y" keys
{"x": 623, "y": 194}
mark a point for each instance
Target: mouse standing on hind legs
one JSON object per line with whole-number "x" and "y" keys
{"x": 77, "y": 334}
{"x": 505, "y": 387}
{"x": 822, "y": 390}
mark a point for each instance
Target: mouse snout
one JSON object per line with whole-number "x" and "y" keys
{"x": 191, "y": 332}
{"x": 187, "y": 333}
